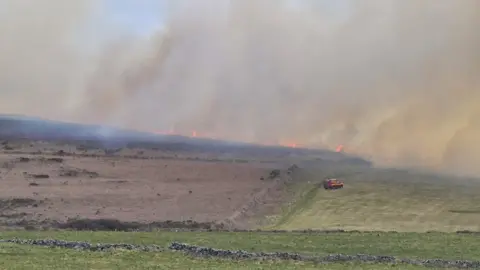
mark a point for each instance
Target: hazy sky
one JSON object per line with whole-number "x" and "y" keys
{"x": 395, "y": 80}
{"x": 145, "y": 16}
{"x": 141, "y": 16}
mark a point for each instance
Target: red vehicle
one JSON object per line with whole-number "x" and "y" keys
{"x": 332, "y": 183}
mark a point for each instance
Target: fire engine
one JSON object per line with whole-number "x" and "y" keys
{"x": 332, "y": 183}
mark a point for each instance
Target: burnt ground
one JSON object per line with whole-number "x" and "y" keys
{"x": 45, "y": 181}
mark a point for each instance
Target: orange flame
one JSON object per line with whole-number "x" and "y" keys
{"x": 290, "y": 144}
{"x": 194, "y": 133}
{"x": 339, "y": 148}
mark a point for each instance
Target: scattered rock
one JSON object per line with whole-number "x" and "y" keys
{"x": 292, "y": 168}
{"x": 274, "y": 174}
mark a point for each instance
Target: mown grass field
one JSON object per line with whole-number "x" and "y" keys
{"x": 384, "y": 201}
{"x": 403, "y": 245}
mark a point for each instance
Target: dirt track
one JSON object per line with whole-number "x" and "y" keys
{"x": 59, "y": 187}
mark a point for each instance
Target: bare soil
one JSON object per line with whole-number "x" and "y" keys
{"x": 52, "y": 182}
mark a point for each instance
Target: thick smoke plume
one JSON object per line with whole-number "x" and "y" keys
{"x": 396, "y": 81}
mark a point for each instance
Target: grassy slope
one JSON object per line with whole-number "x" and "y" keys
{"x": 385, "y": 201}
{"x": 411, "y": 245}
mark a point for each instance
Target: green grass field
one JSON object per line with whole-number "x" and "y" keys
{"x": 389, "y": 202}
{"x": 41, "y": 258}
{"x": 404, "y": 245}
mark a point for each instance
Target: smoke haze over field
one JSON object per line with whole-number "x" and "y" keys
{"x": 397, "y": 81}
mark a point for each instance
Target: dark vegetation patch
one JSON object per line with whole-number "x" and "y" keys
{"x": 56, "y": 160}
{"x": 74, "y": 172}
{"x": 23, "y": 159}
{"x": 79, "y": 224}
{"x": 13, "y": 215}
{"x": 292, "y": 169}
{"x": 38, "y": 176}
{"x": 39, "y": 159}
{"x": 467, "y": 232}
{"x": 117, "y": 181}
{"x": 274, "y": 174}
{"x": 465, "y": 211}
{"x": 110, "y": 152}
{"x": 8, "y": 204}
{"x": 117, "y": 225}
{"x": 7, "y": 146}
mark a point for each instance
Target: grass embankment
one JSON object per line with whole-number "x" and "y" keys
{"x": 403, "y": 245}
{"x": 386, "y": 201}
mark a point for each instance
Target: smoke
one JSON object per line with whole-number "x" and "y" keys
{"x": 34, "y": 53}
{"x": 395, "y": 81}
